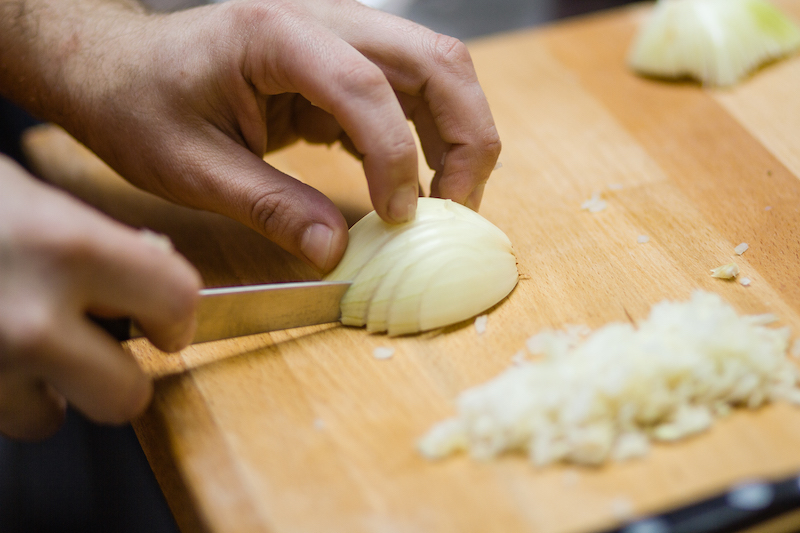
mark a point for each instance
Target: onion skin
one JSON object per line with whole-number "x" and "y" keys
{"x": 447, "y": 265}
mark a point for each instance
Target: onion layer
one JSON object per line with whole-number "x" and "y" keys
{"x": 447, "y": 265}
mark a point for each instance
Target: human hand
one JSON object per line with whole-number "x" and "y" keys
{"x": 60, "y": 260}
{"x": 186, "y": 104}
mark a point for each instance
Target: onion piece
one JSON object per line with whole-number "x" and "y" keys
{"x": 717, "y": 42}
{"x": 729, "y": 271}
{"x": 447, "y": 265}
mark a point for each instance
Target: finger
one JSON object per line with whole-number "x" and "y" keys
{"x": 30, "y": 410}
{"x": 338, "y": 79}
{"x": 242, "y": 186}
{"x": 93, "y": 373}
{"x": 314, "y": 124}
{"x": 433, "y": 146}
{"x": 438, "y": 69}
{"x": 99, "y": 265}
{"x": 126, "y": 272}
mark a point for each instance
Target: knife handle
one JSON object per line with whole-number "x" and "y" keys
{"x": 770, "y": 506}
{"x": 119, "y": 328}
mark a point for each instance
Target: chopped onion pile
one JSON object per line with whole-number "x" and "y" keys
{"x": 717, "y": 42}
{"x": 609, "y": 394}
{"x": 447, "y": 265}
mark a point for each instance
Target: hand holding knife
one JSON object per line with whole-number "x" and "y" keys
{"x": 227, "y": 312}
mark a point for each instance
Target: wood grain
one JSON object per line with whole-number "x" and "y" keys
{"x": 305, "y": 431}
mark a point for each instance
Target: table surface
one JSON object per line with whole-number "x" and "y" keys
{"x": 305, "y": 431}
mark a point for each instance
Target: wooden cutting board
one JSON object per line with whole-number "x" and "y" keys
{"x": 305, "y": 431}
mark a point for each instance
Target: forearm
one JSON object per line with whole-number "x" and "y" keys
{"x": 51, "y": 51}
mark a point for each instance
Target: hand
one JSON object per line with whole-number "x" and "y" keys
{"x": 60, "y": 260}
{"x": 186, "y": 104}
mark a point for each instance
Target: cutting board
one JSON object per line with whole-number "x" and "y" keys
{"x": 306, "y": 431}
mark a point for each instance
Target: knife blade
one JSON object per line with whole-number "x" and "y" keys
{"x": 226, "y": 312}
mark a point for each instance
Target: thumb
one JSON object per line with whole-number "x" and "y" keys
{"x": 237, "y": 183}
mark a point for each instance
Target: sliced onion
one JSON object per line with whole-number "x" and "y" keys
{"x": 447, "y": 265}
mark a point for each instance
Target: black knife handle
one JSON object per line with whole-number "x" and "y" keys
{"x": 119, "y": 328}
{"x": 742, "y": 507}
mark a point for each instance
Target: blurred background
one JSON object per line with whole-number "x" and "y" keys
{"x": 96, "y": 478}
{"x": 465, "y": 19}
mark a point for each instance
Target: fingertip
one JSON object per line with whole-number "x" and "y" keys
{"x": 323, "y": 246}
{"x": 131, "y": 402}
{"x": 402, "y": 205}
{"x": 140, "y": 398}
{"x": 474, "y": 199}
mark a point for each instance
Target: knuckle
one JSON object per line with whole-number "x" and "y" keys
{"x": 267, "y": 213}
{"x": 491, "y": 144}
{"x": 28, "y": 336}
{"x": 451, "y": 52}
{"x": 361, "y": 78}
{"x": 185, "y": 294}
{"x": 398, "y": 150}
{"x": 72, "y": 247}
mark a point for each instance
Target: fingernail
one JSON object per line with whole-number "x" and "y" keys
{"x": 184, "y": 333}
{"x": 157, "y": 240}
{"x": 316, "y": 245}
{"x": 403, "y": 204}
{"x": 474, "y": 198}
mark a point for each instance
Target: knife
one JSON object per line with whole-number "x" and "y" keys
{"x": 763, "y": 506}
{"x": 226, "y": 312}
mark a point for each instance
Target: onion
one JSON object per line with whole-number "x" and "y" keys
{"x": 447, "y": 265}
{"x": 717, "y": 42}
{"x": 729, "y": 271}
{"x": 587, "y": 398}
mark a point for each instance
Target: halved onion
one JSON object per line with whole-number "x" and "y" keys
{"x": 447, "y": 265}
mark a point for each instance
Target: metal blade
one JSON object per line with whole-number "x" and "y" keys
{"x": 236, "y": 311}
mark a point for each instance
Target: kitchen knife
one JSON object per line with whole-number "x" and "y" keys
{"x": 227, "y": 312}
{"x": 756, "y": 506}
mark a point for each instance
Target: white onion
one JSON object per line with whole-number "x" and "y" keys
{"x": 383, "y": 352}
{"x": 447, "y": 265}
{"x": 608, "y": 395}
{"x": 595, "y": 204}
{"x": 729, "y": 271}
{"x": 717, "y": 42}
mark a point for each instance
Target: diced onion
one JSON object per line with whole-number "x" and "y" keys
{"x": 608, "y": 395}
{"x": 480, "y": 324}
{"x": 383, "y": 352}
{"x": 729, "y": 271}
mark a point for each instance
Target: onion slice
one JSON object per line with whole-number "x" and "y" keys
{"x": 447, "y": 265}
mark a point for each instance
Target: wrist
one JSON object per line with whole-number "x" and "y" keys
{"x": 53, "y": 52}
